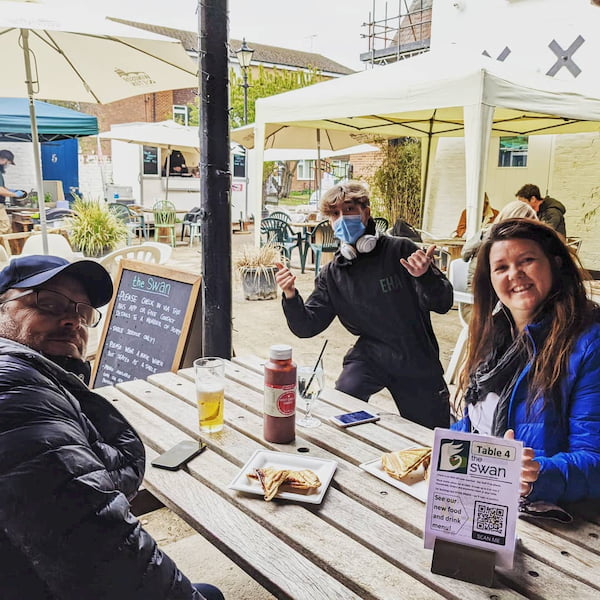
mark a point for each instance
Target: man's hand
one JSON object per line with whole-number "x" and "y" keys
{"x": 418, "y": 262}
{"x": 285, "y": 280}
{"x": 530, "y": 468}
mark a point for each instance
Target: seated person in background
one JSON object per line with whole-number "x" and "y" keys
{"x": 548, "y": 209}
{"x": 382, "y": 289}
{"x": 176, "y": 164}
{"x": 69, "y": 462}
{"x": 489, "y": 214}
{"x": 514, "y": 209}
{"x": 533, "y": 363}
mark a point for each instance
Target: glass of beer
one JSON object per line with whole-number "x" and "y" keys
{"x": 210, "y": 384}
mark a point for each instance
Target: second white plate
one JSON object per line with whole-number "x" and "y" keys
{"x": 323, "y": 468}
{"x": 414, "y": 483}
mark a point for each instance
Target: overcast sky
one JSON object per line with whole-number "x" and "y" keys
{"x": 328, "y": 27}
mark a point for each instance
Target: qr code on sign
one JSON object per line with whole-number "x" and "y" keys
{"x": 490, "y": 518}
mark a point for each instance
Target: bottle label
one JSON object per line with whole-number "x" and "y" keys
{"x": 280, "y": 400}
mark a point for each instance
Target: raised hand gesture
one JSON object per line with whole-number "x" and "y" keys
{"x": 418, "y": 262}
{"x": 285, "y": 280}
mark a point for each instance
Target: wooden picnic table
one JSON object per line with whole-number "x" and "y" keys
{"x": 365, "y": 539}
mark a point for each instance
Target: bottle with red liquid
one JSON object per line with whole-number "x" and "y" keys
{"x": 280, "y": 396}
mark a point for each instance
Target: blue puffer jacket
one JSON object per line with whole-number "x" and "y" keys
{"x": 68, "y": 464}
{"x": 566, "y": 443}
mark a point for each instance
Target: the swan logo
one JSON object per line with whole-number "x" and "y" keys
{"x": 454, "y": 456}
{"x": 135, "y": 78}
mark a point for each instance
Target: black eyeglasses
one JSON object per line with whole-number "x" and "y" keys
{"x": 57, "y": 304}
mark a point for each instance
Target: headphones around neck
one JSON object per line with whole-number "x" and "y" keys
{"x": 363, "y": 245}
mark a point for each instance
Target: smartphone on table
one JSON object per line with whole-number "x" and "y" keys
{"x": 354, "y": 418}
{"x": 176, "y": 457}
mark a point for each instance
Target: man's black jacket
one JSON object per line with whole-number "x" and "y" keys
{"x": 69, "y": 462}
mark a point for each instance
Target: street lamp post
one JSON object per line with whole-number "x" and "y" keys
{"x": 244, "y": 56}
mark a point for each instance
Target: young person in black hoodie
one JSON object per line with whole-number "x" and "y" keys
{"x": 382, "y": 289}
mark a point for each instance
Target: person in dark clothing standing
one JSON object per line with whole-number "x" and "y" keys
{"x": 69, "y": 461}
{"x": 549, "y": 210}
{"x": 382, "y": 289}
{"x": 6, "y": 158}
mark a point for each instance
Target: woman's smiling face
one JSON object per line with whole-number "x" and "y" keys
{"x": 521, "y": 276}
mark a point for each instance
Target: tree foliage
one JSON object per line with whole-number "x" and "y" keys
{"x": 262, "y": 83}
{"x": 397, "y": 182}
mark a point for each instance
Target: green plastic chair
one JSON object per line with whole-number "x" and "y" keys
{"x": 133, "y": 221}
{"x": 279, "y": 233}
{"x": 321, "y": 239}
{"x": 280, "y": 214}
{"x": 165, "y": 220}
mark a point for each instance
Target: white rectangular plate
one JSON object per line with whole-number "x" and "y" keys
{"x": 323, "y": 468}
{"x": 414, "y": 483}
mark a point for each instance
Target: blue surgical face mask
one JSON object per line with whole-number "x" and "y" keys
{"x": 348, "y": 228}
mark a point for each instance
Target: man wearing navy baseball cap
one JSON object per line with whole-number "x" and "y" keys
{"x": 69, "y": 462}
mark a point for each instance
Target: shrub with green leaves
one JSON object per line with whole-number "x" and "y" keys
{"x": 93, "y": 228}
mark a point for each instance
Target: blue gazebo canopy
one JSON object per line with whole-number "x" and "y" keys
{"x": 54, "y": 122}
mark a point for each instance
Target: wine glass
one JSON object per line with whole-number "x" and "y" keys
{"x": 310, "y": 385}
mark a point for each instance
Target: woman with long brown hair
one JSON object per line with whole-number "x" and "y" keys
{"x": 533, "y": 362}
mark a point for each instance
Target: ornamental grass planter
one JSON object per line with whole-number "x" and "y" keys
{"x": 257, "y": 268}
{"x": 259, "y": 283}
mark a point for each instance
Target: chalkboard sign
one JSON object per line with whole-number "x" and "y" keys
{"x": 152, "y": 326}
{"x": 239, "y": 165}
{"x": 150, "y": 160}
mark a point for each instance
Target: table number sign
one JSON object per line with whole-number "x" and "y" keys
{"x": 473, "y": 497}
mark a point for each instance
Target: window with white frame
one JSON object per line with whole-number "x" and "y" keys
{"x": 339, "y": 169}
{"x": 181, "y": 114}
{"x": 305, "y": 170}
{"x": 513, "y": 151}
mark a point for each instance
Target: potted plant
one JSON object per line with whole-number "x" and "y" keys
{"x": 94, "y": 230}
{"x": 257, "y": 268}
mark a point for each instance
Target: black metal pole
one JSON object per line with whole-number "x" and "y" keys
{"x": 245, "y": 86}
{"x": 215, "y": 178}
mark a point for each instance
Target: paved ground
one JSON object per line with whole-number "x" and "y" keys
{"x": 257, "y": 325}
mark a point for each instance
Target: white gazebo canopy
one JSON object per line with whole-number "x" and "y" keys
{"x": 435, "y": 95}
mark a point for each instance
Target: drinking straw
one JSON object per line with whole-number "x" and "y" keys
{"x": 314, "y": 371}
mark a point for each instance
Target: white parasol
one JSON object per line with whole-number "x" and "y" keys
{"x": 64, "y": 57}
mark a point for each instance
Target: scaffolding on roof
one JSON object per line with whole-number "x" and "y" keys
{"x": 393, "y": 38}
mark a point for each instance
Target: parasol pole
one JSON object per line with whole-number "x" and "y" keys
{"x": 101, "y": 166}
{"x": 35, "y": 140}
{"x": 168, "y": 171}
{"x": 319, "y": 165}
